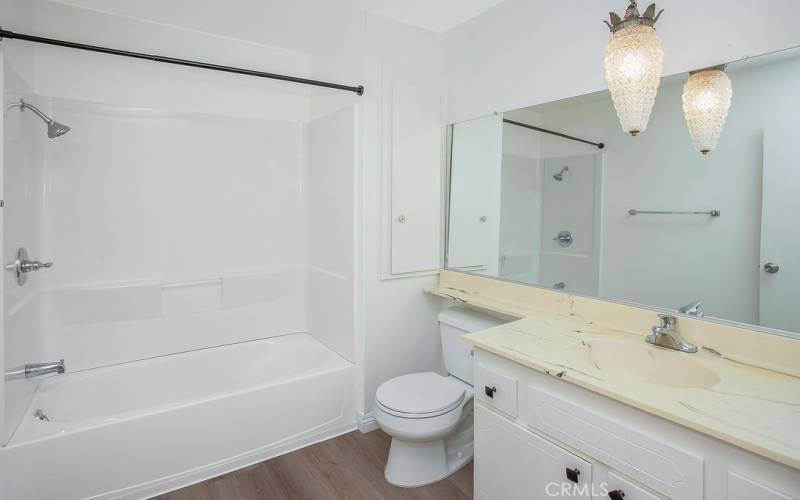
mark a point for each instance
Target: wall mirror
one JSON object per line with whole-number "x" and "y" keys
{"x": 648, "y": 219}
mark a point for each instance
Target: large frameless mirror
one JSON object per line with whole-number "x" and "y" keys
{"x": 559, "y": 196}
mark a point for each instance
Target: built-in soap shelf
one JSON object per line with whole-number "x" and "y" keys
{"x": 131, "y": 301}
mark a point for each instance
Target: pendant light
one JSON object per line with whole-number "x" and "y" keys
{"x": 706, "y": 101}
{"x": 633, "y": 64}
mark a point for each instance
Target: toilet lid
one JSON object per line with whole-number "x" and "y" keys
{"x": 420, "y": 393}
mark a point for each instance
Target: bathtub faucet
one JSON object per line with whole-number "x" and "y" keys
{"x": 36, "y": 369}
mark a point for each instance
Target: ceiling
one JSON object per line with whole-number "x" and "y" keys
{"x": 293, "y": 24}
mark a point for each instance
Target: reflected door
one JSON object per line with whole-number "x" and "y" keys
{"x": 780, "y": 238}
{"x": 474, "y": 230}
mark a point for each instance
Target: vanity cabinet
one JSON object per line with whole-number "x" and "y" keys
{"x": 516, "y": 464}
{"x": 540, "y": 437}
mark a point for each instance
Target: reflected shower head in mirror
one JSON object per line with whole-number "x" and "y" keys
{"x": 54, "y": 129}
{"x": 560, "y": 176}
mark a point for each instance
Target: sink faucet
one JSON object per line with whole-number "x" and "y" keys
{"x": 665, "y": 335}
{"x": 36, "y": 369}
{"x": 693, "y": 309}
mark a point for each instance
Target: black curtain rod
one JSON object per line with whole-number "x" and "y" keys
{"x": 182, "y": 62}
{"x": 599, "y": 145}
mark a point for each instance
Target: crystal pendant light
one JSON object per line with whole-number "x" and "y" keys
{"x": 706, "y": 101}
{"x": 633, "y": 64}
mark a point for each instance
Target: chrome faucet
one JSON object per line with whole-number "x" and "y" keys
{"x": 693, "y": 309}
{"x": 665, "y": 335}
{"x": 36, "y": 369}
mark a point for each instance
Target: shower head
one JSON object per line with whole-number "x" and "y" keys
{"x": 54, "y": 129}
{"x": 560, "y": 176}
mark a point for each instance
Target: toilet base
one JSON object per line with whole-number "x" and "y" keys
{"x": 414, "y": 463}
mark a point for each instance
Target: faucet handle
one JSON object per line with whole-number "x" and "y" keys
{"x": 667, "y": 320}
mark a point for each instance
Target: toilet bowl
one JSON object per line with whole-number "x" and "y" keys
{"x": 430, "y": 416}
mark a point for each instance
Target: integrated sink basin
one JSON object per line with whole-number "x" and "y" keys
{"x": 643, "y": 363}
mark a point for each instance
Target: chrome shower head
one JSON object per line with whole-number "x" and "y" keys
{"x": 54, "y": 129}
{"x": 560, "y": 176}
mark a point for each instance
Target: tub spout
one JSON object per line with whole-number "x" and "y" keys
{"x": 36, "y": 369}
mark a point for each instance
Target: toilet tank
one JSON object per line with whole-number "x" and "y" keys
{"x": 453, "y": 324}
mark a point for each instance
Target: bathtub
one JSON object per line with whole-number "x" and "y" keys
{"x": 141, "y": 428}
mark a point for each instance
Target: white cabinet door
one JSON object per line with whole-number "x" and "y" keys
{"x": 474, "y": 225}
{"x": 741, "y": 488}
{"x": 416, "y": 176}
{"x": 512, "y": 463}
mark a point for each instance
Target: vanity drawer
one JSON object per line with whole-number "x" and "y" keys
{"x": 496, "y": 390}
{"x": 652, "y": 462}
{"x": 619, "y": 487}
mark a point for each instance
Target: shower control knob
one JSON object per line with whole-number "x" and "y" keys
{"x": 33, "y": 265}
{"x": 483, "y": 218}
{"x": 22, "y": 266}
{"x": 402, "y": 219}
{"x": 564, "y": 238}
{"x": 771, "y": 268}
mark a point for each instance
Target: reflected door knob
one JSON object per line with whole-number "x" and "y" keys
{"x": 771, "y": 268}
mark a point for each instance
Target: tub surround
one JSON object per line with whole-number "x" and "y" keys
{"x": 742, "y": 387}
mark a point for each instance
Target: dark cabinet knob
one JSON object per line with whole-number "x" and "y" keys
{"x": 489, "y": 391}
{"x": 572, "y": 474}
{"x": 616, "y": 495}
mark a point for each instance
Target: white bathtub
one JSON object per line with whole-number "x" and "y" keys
{"x": 141, "y": 428}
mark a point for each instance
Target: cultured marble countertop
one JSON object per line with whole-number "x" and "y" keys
{"x": 754, "y": 408}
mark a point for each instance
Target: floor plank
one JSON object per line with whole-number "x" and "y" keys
{"x": 348, "y": 467}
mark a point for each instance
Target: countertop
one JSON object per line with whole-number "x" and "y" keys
{"x": 749, "y": 406}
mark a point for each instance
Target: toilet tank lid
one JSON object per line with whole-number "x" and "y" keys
{"x": 468, "y": 320}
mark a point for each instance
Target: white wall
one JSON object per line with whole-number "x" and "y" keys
{"x": 396, "y": 329}
{"x": 520, "y": 218}
{"x": 22, "y": 152}
{"x": 101, "y": 78}
{"x": 331, "y": 194}
{"x": 713, "y": 259}
{"x": 401, "y": 333}
{"x": 521, "y": 200}
{"x": 146, "y": 209}
{"x": 22, "y": 224}
{"x": 524, "y": 52}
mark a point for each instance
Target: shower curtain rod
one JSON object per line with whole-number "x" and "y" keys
{"x": 599, "y": 145}
{"x": 359, "y": 90}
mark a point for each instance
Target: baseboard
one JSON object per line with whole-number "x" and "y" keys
{"x": 164, "y": 485}
{"x": 366, "y": 422}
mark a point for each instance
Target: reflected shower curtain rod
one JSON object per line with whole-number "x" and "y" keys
{"x": 359, "y": 90}
{"x": 598, "y": 145}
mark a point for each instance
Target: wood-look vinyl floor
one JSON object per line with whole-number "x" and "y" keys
{"x": 348, "y": 467}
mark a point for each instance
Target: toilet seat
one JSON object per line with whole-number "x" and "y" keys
{"x": 420, "y": 395}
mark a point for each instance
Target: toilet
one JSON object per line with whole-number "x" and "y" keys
{"x": 430, "y": 416}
